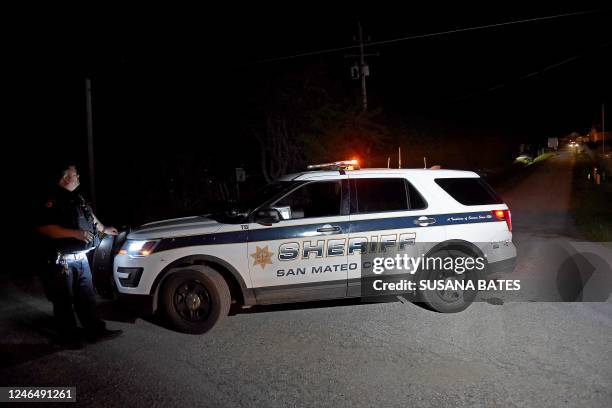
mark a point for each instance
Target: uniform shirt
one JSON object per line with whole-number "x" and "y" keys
{"x": 67, "y": 209}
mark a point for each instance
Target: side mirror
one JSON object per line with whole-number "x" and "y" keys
{"x": 267, "y": 216}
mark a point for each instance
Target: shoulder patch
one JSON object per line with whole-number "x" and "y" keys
{"x": 49, "y": 203}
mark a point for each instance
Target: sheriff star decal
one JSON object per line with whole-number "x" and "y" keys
{"x": 262, "y": 257}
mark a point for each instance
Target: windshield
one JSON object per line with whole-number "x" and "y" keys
{"x": 238, "y": 211}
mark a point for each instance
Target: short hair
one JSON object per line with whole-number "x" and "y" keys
{"x": 59, "y": 168}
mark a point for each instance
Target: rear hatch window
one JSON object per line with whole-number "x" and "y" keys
{"x": 469, "y": 191}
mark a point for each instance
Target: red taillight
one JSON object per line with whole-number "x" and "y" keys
{"x": 504, "y": 215}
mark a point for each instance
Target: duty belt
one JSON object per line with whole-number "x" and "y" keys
{"x": 71, "y": 257}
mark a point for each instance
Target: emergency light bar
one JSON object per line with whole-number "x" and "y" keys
{"x": 339, "y": 165}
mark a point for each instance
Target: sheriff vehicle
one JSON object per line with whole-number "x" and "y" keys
{"x": 304, "y": 237}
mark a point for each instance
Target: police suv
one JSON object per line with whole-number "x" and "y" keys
{"x": 304, "y": 238}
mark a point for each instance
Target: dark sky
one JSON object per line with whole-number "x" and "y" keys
{"x": 183, "y": 60}
{"x": 175, "y": 81}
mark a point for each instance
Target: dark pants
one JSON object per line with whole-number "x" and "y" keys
{"x": 68, "y": 287}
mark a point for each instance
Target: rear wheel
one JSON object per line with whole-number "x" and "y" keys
{"x": 195, "y": 299}
{"x": 447, "y": 291}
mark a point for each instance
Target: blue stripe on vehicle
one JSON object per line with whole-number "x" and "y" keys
{"x": 410, "y": 222}
{"x": 302, "y": 231}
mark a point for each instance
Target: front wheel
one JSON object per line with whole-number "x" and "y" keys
{"x": 195, "y": 299}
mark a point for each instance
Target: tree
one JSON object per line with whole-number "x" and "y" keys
{"x": 279, "y": 152}
{"x": 306, "y": 119}
{"x": 345, "y": 133}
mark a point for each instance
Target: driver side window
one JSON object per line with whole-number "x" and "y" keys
{"x": 317, "y": 199}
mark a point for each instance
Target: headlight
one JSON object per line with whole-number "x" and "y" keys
{"x": 137, "y": 249}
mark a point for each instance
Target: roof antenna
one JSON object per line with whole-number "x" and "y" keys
{"x": 399, "y": 157}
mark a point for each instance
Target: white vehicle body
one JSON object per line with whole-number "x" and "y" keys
{"x": 260, "y": 261}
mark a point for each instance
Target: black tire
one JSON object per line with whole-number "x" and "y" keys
{"x": 447, "y": 301}
{"x": 195, "y": 299}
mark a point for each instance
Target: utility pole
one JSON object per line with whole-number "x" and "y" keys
{"x": 363, "y": 66}
{"x": 361, "y": 70}
{"x": 603, "y": 127}
{"x": 90, "y": 150}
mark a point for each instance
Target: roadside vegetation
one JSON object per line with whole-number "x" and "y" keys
{"x": 544, "y": 156}
{"x": 512, "y": 175}
{"x": 591, "y": 203}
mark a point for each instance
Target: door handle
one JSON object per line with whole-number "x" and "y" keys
{"x": 425, "y": 221}
{"x": 329, "y": 228}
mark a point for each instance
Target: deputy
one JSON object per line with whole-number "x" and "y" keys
{"x": 70, "y": 229}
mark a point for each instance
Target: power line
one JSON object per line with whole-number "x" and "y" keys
{"x": 427, "y": 35}
{"x": 460, "y": 30}
{"x": 530, "y": 75}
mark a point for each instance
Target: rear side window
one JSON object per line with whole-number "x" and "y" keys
{"x": 469, "y": 191}
{"x": 416, "y": 200}
{"x": 379, "y": 195}
{"x": 385, "y": 194}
